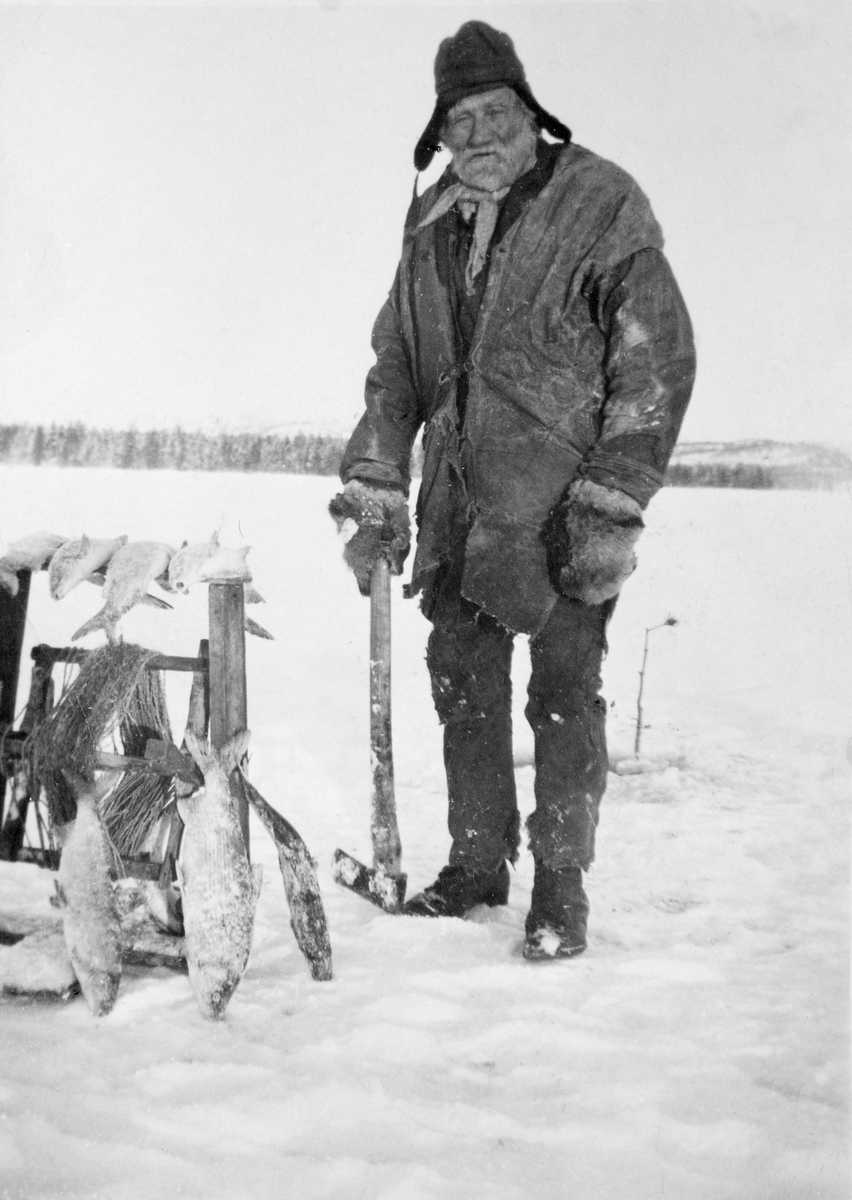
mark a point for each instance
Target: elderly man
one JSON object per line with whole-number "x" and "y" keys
{"x": 535, "y": 329}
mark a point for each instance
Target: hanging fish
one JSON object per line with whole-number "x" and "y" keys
{"x": 91, "y": 923}
{"x": 130, "y": 570}
{"x": 80, "y": 559}
{"x": 30, "y": 553}
{"x": 208, "y": 562}
{"x": 219, "y": 887}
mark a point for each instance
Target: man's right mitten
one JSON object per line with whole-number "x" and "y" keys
{"x": 375, "y": 523}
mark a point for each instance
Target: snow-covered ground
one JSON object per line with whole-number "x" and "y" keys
{"x": 699, "y": 1049}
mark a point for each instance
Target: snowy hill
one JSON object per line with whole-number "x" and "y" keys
{"x": 761, "y": 463}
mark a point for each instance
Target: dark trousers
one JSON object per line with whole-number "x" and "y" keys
{"x": 469, "y": 656}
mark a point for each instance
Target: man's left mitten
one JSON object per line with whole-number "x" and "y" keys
{"x": 375, "y": 523}
{"x": 590, "y": 538}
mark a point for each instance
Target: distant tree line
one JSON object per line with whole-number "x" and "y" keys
{"x": 760, "y": 463}
{"x": 78, "y": 445}
{"x": 720, "y": 475}
{"x": 753, "y": 475}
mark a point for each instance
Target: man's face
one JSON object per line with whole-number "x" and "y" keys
{"x": 492, "y": 139}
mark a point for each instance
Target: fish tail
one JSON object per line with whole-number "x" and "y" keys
{"x": 155, "y": 601}
{"x": 98, "y": 621}
{"x": 9, "y": 582}
{"x": 230, "y": 755}
{"x": 92, "y": 789}
{"x": 252, "y": 626}
{"x": 199, "y": 749}
{"x": 234, "y": 750}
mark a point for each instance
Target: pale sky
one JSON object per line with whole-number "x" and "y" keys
{"x": 201, "y": 207}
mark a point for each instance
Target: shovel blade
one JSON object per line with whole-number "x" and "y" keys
{"x": 384, "y": 890}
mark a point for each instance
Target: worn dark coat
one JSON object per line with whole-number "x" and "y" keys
{"x": 581, "y": 363}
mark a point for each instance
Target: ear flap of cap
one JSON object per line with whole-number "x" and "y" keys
{"x": 430, "y": 140}
{"x": 544, "y": 119}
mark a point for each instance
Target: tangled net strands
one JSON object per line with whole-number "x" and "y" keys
{"x": 114, "y": 698}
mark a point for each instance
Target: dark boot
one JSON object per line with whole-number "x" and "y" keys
{"x": 556, "y": 923}
{"x": 458, "y": 889}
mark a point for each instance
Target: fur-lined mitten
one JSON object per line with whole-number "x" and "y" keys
{"x": 374, "y": 523}
{"x": 590, "y": 538}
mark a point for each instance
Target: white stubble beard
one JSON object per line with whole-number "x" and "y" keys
{"x": 514, "y": 158}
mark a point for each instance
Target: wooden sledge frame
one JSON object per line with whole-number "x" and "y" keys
{"x": 218, "y": 702}
{"x": 218, "y": 699}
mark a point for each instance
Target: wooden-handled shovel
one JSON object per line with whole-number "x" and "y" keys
{"x": 383, "y": 883}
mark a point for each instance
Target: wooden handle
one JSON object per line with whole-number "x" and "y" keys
{"x": 387, "y": 849}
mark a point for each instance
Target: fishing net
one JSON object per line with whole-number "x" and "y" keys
{"x": 116, "y": 703}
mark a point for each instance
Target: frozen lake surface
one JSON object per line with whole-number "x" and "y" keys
{"x": 698, "y": 1050}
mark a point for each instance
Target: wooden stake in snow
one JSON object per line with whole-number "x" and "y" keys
{"x": 648, "y": 632}
{"x": 13, "y": 619}
{"x": 228, "y": 704}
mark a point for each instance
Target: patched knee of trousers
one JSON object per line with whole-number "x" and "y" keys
{"x": 455, "y": 699}
{"x": 565, "y": 837}
{"x": 575, "y": 705}
{"x": 466, "y": 686}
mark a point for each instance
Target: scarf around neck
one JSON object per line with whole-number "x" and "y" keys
{"x": 485, "y": 206}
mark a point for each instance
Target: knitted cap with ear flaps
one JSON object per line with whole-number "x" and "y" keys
{"x": 478, "y": 59}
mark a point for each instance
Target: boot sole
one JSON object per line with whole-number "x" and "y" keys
{"x": 414, "y": 909}
{"x": 536, "y": 954}
{"x": 421, "y": 906}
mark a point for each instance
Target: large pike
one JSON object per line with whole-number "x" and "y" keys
{"x": 131, "y": 568}
{"x": 91, "y": 922}
{"x": 80, "y": 559}
{"x": 218, "y": 885}
{"x": 299, "y": 872}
